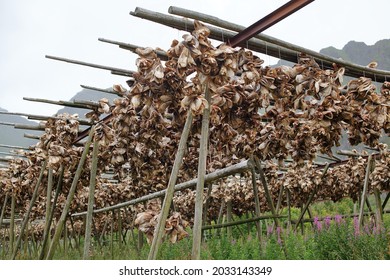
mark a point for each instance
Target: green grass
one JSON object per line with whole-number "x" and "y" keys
{"x": 333, "y": 241}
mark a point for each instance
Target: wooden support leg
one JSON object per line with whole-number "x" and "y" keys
{"x": 159, "y": 231}
{"x": 364, "y": 193}
{"x": 91, "y": 201}
{"x": 46, "y": 232}
{"x": 32, "y": 202}
{"x": 312, "y": 194}
{"x": 3, "y": 209}
{"x": 197, "y": 229}
{"x": 229, "y": 218}
{"x": 61, "y": 222}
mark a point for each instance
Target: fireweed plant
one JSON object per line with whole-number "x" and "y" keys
{"x": 342, "y": 239}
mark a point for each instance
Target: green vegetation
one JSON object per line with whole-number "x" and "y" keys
{"x": 331, "y": 237}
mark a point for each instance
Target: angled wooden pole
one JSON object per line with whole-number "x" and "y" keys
{"x": 12, "y": 224}
{"x": 91, "y": 200}
{"x": 311, "y": 196}
{"x": 386, "y": 200}
{"x": 257, "y": 203}
{"x": 266, "y": 190}
{"x": 364, "y": 192}
{"x": 379, "y": 209}
{"x": 48, "y": 201}
{"x": 27, "y": 215}
{"x": 159, "y": 231}
{"x": 3, "y": 209}
{"x": 61, "y": 222}
{"x": 197, "y": 229}
{"x": 46, "y": 232}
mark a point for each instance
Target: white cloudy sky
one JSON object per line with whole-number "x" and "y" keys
{"x": 31, "y": 29}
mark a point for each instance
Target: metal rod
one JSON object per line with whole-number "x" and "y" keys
{"x": 267, "y": 21}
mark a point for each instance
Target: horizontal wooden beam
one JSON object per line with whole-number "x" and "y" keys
{"x": 93, "y": 65}
{"x": 45, "y": 118}
{"x": 235, "y": 223}
{"x": 218, "y": 174}
{"x": 258, "y": 45}
{"x": 16, "y": 147}
{"x": 110, "y": 91}
{"x": 131, "y": 47}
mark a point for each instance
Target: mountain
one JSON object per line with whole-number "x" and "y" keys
{"x": 362, "y": 54}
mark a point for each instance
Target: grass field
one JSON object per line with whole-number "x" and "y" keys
{"x": 328, "y": 236}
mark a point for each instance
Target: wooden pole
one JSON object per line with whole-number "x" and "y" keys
{"x": 311, "y": 196}
{"x": 3, "y": 209}
{"x": 197, "y": 229}
{"x": 110, "y": 91}
{"x": 257, "y": 202}
{"x": 61, "y": 222}
{"x": 229, "y": 218}
{"x": 379, "y": 210}
{"x": 275, "y": 49}
{"x": 48, "y": 205}
{"x": 288, "y": 208}
{"x": 46, "y": 232}
{"x": 364, "y": 192}
{"x": 61, "y": 103}
{"x": 206, "y": 205}
{"x": 15, "y": 147}
{"x": 218, "y": 174}
{"x": 240, "y": 222}
{"x": 12, "y": 224}
{"x": 130, "y": 47}
{"x": 128, "y": 72}
{"x": 220, "y": 215}
{"x": 266, "y": 190}
{"x": 27, "y": 215}
{"x": 159, "y": 231}
{"x": 386, "y": 200}
{"x": 91, "y": 200}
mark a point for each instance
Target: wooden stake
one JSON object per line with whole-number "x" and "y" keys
{"x": 61, "y": 222}
{"x": 379, "y": 210}
{"x": 220, "y": 215}
{"x": 197, "y": 229}
{"x": 385, "y": 201}
{"x": 257, "y": 202}
{"x": 91, "y": 200}
{"x": 27, "y": 215}
{"x": 46, "y": 232}
{"x": 288, "y": 196}
{"x": 3, "y": 209}
{"x": 240, "y": 222}
{"x": 311, "y": 196}
{"x": 229, "y": 218}
{"x": 12, "y": 224}
{"x": 159, "y": 231}
{"x": 48, "y": 203}
{"x": 364, "y": 192}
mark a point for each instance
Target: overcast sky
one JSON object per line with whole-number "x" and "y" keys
{"x": 29, "y": 30}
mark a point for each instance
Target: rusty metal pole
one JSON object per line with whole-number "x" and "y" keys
{"x": 269, "y": 20}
